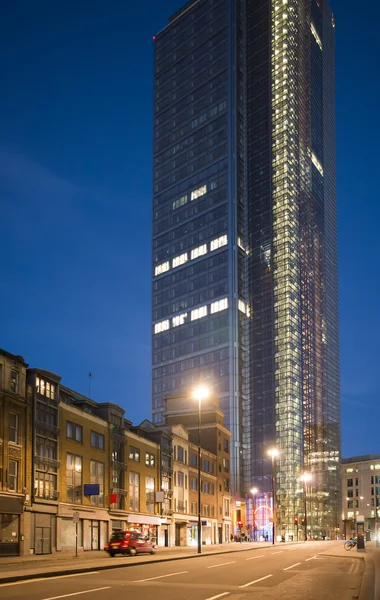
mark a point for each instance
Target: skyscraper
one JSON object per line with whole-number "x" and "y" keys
{"x": 244, "y": 236}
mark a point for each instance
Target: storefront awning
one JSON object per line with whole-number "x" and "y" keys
{"x": 12, "y": 506}
{"x": 144, "y": 520}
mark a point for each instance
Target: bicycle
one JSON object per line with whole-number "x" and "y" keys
{"x": 350, "y": 544}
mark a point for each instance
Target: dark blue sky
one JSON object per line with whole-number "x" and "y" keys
{"x": 75, "y": 197}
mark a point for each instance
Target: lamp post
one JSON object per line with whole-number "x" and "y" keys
{"x": 273, "y": 453}
{"x": 254, "y": 492}
{"x": 305, "y": 477}
{"x": 200, "y": 393}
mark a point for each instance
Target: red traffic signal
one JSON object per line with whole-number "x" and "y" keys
{"x": 240, "y": 524}
{"x": 303, "y": 521}
{"x": 295, "y": 520}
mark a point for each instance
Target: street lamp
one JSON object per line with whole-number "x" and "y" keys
{"x": 200, "y": 393}
{"x": 273, "y": 453}
{"x": 254, "y": 492}
{"x": 305, "y": 477}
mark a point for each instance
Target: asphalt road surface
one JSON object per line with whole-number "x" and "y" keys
{"x": 291, "y": 572}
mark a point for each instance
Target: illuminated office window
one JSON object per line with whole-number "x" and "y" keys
{"x": 162, "y": 326}
{"x": 180, "y": 260}
{"x": 162, "y": 268}
{"x": 179, "y": 320}
{"x": 199, "y": 192}
{"x": 219, "y": 242}
{"x": 200, "y": 251}
{"x": 198, "y": 313}
{"x": 219, "y": 305}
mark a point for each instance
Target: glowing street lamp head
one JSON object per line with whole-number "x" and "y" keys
{"x": 201, "y": 392}
{"x": 306, "y": 477}
{"x": 254, "y": 491}
{"x": 273, "y": 452}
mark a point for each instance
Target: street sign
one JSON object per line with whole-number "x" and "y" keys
{"x": 76, "y": 518}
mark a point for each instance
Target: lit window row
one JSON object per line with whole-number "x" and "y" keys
{"x": 219, "y": 305}
{"x": 162, "y": 326}
{"x": 199, "y": 192}
{"x": 316, "y": 36}
{"x": 162, "y": 268}
{"x": 218, "y": 243}
{"x": 316, "y": 163}
{"x": 177, "y": 261}
{"x": 200, "y": 251}
{"x": 180, "y": 260}
{"x": 197, "y": 313}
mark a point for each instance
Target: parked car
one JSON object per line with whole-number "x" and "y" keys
{"x": 129, "y": 542}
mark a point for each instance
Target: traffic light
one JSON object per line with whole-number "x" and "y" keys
{"x": 303, "y": 521}
{"x": 295, "y": 520}
{"x": 240, "y": 524}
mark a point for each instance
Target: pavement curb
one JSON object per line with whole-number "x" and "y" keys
{"x": 367, "y": 589}
{"x": 72, "y": 571}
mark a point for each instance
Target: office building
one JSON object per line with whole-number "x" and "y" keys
{"x": 244, "y": 237}
{"x": 360, "y": 493}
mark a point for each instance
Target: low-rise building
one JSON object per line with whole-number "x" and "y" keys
{"x": 14, "y": 465}
{"x": 73, "y": 470}
{"x": 360, "y": 493}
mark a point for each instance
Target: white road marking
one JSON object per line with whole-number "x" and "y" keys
{"x": 24, "y": 581}
{"x": 218, "y": 596}
{"x": 222, "y": 564}
{"x": 291, "y": 566}
{"x": 108, "y": 587}
{"x": 256, "y": 581}
{"x": 311, "y": 558}
{"x": 252, "y": 557}
{"x": 277, "y": 552}
{"x": 159, "y": 577}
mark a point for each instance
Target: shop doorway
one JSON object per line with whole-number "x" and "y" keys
{"x": 95, "y": 535}
{"x": 43, "y": 540}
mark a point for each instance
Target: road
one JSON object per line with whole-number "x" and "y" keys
{"x": 293, "y": 572}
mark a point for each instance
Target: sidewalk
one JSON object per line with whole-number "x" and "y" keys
{"x": 17, "y": 568}
{"x": 370, "y": 588}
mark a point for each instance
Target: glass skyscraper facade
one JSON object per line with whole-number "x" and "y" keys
{"x": 244, "y": 237}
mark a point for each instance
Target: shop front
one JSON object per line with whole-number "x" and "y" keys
{"x": 145, "y": 524}
{"x": 10, "y": 512}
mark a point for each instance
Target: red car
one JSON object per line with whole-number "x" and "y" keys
{"x": 129, "y": 542}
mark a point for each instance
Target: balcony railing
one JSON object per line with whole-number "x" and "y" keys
{"x": 48, "y": 427}
{"x": 120, "y": 491}
{"x": 117, "y": 431}
{"x": 117, "y": 464}
{"x": 44, "y": 461}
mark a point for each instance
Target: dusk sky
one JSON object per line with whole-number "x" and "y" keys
{"x": 75, "y": 198}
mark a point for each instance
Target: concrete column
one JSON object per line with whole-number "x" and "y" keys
{"x": 25, "y": 532}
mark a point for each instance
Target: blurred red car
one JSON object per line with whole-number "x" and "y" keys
{"x": 129, "y": 542}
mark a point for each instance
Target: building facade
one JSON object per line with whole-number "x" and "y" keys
{"x": 360, "y": 493}
{"x": 244, "y": 236}
{"x": 14, "y": 458}
{"x": 73, "y": 470}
